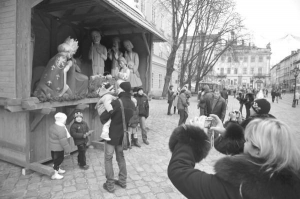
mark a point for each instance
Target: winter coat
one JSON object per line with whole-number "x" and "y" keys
{"x": 236, "y": 177}
{"x": 224, "y": 94}
{"x": 143, "y": 105}
{"x": 116, "y": 130}
{"x": 135, "y": 119}
{"x": 182, "y": 103}
{"x": 220, "y": 108}
{"x": 170, "y": 96}
{"x": 105, "y": 100}
{"x": 77, "y": 130}
{"x": 58, "y": 138}
{"x": 205, "y": 101}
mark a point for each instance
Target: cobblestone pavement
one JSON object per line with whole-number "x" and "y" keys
{"x": 147, "y": 166}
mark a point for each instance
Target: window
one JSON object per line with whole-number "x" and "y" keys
{"x": 245, "y": 59}
{"x": 252, "y": 59}
{"x": 228, "y": 70}
{"x": 236, "y": 59}
{"x": 252, "y": 71}
{"x": 222, "y": 71}
{"x": 152, "y": 80}
{"x": 235, "y": 81}
{"x": 261, "y": 58}
{"x": 236, "y": 71}
{"x": 260, "y": 70}
{"x": 222, "y": 59}
{"x": 159, "y": 80}
{"x": 229, "y": 59}
{"x": 244, "y": 71}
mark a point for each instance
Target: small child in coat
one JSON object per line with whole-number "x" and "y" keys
{"x": 132, "y": 126}
{"x": 59, "y": 145}
{"x": 80, "y": 132}
{"x": 106, "y": 97}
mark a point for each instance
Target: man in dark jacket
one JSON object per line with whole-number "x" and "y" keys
{"x": 143, "y": 105}
{"x": 116, "y": 133}
{"x": 224, "y": 94}
{"x": 218, "y": 105}
{"x": 182, "y": 106}
{"x": 205, "y": 101}
{"x": 170, "y": 98}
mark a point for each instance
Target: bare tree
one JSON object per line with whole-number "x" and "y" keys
{"x": 183, "y": 14}
{"x": 207, "y": 22}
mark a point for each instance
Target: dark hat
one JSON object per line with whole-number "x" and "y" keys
{"x": 78, "y": 113}
{"x": 138, "y": 89}
{"x": 135, "y": 89}
{"x": 261, "y": 106}
{"x": 126, "y": 86}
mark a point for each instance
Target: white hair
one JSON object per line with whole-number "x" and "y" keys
{"x": 277, "y": 143}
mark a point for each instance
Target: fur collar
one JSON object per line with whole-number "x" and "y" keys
{"x": 256, "y": 182}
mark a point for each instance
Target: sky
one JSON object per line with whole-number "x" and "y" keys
{"x": 275, "y": 21}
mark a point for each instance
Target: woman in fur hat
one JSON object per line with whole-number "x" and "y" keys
{"x": 268, "y": 168}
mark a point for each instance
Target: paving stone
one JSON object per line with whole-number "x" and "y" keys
{"x": 144, "y": 189}
{"x": 69, "y": 189}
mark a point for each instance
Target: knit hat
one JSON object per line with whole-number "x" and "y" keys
{"x": 138, "y": 89}
{"x": 78, "y": 113}
{"x": 135, "y": 90}
{"x": 126, "y": 86}
{"x": 60, "y": 117}
{"x": 261, "y": 106}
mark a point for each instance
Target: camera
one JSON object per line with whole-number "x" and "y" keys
{"x": 208, "y": 122}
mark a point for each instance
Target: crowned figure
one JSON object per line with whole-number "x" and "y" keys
{"x": 114, "y": 54}
{"x": 53, "y": 82}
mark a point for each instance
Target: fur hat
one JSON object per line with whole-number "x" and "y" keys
{"x": 78, "y": 113}
{"x": 261, "y": 106}
{"x": 126, "y": 86}
{"x": 60, "y": 117}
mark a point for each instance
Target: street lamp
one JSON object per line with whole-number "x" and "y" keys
{"x": 295, "y": 72}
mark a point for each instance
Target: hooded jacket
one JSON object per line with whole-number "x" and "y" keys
{"x": 236, "y": 177}
{"x": 116, "y": 130}
{"x": 205, "y": 100}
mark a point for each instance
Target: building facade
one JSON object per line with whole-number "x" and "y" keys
{"x": 282, "y": 74}
{"x": 160, "y": 16}
{"x": 244, "y": 66}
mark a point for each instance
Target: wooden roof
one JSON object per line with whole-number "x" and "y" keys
{"x": 112, "y": 17}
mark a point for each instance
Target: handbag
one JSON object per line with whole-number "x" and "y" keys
{"x": 125, "y": 141}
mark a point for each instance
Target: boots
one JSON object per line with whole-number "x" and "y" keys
{"x": 56, "y": 176}
{"x": 146, "y": 141}
{"x": 135, "y": 142}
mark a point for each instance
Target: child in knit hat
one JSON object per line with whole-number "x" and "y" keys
{"x": 58, "y": 137}
{"x": 80, "y": 132}
{"x": 106, "y": 97}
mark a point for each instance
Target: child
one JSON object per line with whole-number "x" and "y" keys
{"x": 106, "y": 96}
{"x": 58, "y": 137}
{"x": 132, "y": 126}
{"x": 80, "y": 132}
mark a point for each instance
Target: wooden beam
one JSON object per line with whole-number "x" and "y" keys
{"x": 66, "y": 5}
{"x": 23, "y": 44}
{"x": 87, "y": 15}
{"x": 34, "y": 2}
{"x": 40, "y": 168}
{"x": 12, "y": 146}
{"x": 39, "y": 116}
{"x": 146, "y": 43}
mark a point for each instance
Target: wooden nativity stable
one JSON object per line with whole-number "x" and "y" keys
{"x": 30, "y": 31}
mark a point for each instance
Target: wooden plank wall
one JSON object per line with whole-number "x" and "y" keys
{"x": 7, "y": 48}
